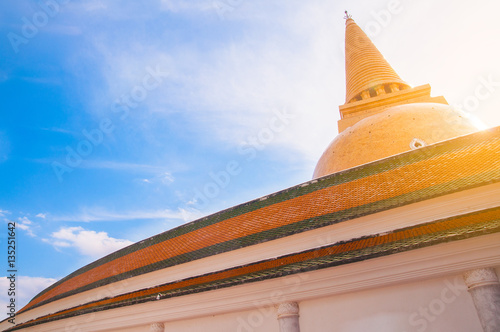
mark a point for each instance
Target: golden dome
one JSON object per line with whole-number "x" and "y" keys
{"x": 398, "y": 129}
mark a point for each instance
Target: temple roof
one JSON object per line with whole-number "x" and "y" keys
{"x": 443, "y": 168}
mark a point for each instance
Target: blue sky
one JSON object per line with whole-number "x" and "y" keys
{"x": 122, "y": 119}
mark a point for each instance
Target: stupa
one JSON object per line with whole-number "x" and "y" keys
{"x": 399, "y": 230}
{"x": 383, "y": 115}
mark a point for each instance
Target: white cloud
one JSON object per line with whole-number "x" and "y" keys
{"x": 26, "y": 225}
{"x": 102, "y": 214}
{"x": 87, "y": 242}
{"x": 163, "y": 178}
{"x": 167, "y": 177}
{"x": 160, "y": 174}
{"x": 177, "y": 6}
{"x": 41, "y": 215}
{"x": 113, "y": 165}
{"x": 94, "y": 5}
{"x": 231, "y": 89}
{"x": 57, "y": 243}
{"x": 284, "y": 55}
{"x": 26, "y": 289}
{"x": 25, "y": 221}
{"x": 3, "y": 213}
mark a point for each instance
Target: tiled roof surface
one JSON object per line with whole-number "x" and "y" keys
{"x": 450, "y": 229}
{"x": 450, "y": 166}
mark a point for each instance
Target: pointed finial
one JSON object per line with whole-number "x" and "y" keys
{"x": 347, "y": 15}
{"x": 366, "y": 68}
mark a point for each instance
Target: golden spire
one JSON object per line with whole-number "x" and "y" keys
{"x": 368, "y": 74}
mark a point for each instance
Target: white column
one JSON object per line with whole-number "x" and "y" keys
{"x": 288, "y": 317}
{"x": 157, "y": 327}
{"x": 484, "y": 288}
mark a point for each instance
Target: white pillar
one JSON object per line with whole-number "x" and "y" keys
{"x": 157, "y": 327}
{"x": 288, "y": 317}
{"x": 484, "y": 288}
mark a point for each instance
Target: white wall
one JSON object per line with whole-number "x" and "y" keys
{"x": 263, "y": 319}
{"x": 436, "y": 305}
